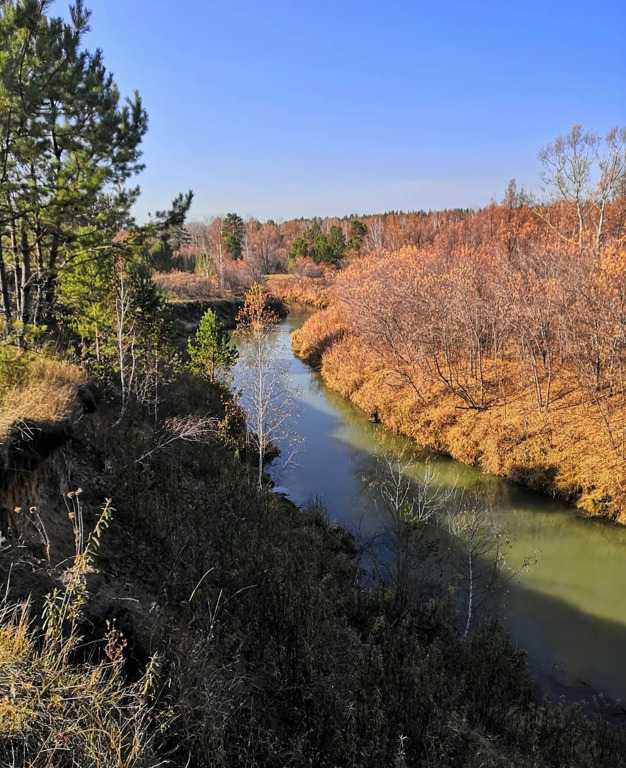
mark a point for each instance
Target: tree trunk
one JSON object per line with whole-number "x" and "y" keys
{"x": 4, "y": 286}
{"x": 25, "y": 283}
{"x": 17, "y": 270}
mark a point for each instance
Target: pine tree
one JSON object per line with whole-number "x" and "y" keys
{"x": 209, "y": 351}
{"x": 299, "y": 249}
{"x": 67, "y": 148}
{"x": 356, "y": 233}
{"x": 337, "y": 244}
{"x": 233, "y": 231}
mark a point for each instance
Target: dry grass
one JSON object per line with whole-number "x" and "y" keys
{"x": 180, "y": 286}
{"x": 565, "y": 452}
{"x": 322, "y": 331}
{"x": 38, "y": 388}
{"x": 185, "y": 286}
{"x": 56, "y": 711}
{"x": 312, "y": 291}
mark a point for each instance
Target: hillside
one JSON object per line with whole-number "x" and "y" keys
{"x": 210, "y": 623}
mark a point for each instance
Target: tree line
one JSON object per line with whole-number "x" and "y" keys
{"x": 513, "y": 312}
{"x": 74, "y": 265}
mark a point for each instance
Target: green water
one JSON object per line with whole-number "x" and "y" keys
{"x": 567, "y": 610}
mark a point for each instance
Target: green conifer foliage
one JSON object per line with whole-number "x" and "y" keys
{"x": 209, "y": 351}
{"x": 233, "y": 232}
{"x": 68, "y": 146}
{"x": 356, "y": 234}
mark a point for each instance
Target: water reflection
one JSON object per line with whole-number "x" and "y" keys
{"x": 568, "y": 611}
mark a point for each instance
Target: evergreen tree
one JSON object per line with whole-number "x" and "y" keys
{"x": 172, "y": 232}
{"x": 356, "y": 234}
{"x": 299, "y": 249}
{"x": 88, "y": 283}
{"x": 322, "y": 252}
{"x": 209, "y": 351}
{"x": 67, "y": 148}
{"x": 233, "y": 232}
{"x": 314, "y": 230}
{"x": 336, "y": 243}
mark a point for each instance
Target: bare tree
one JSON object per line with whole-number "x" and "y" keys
{"x": 189, "y": 429}
{"x": 214, "y": 245}
{"x": 375, "y": 233}
{"x": 587, "y": 172}
{"x": 480, "y": 545}
{"x": 406, "y": 507}
{"x": 567, "y": 165}
{"x": 612, "y": 181}
{"x": 265, "y": 397}
{"x": 125, "y": 337}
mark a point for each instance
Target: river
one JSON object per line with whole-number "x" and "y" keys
{"x": 567, "y": 610}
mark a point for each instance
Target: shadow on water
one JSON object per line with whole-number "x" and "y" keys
{"x": 570, "y": 652}
{"x": 567, "y": 611}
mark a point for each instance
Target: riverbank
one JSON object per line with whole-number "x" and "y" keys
{"x": 562, "y": 607}
{"x": 268, "y": 646}
{"x": 556, "y": 452}
{"x": 236, "y": 622}
{"x": 303, "y": 290}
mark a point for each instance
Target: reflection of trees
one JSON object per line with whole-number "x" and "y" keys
{"x": 408, "y": 518}
{"x": 431, "y": 538}
{"x": 392, "y": 524}
{"x": 539, "y": 621}
{"x": 478, "y": 552}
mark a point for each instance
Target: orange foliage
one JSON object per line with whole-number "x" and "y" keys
{"x": 184, "y": 286}
{"x": 322, "y": 331}
{"x": 311, "y": 286}
{"x": 495, "y": 340}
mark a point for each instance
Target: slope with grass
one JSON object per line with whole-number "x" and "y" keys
{"x": 215, "y": 624}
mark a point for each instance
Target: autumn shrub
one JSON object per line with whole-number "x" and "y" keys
{"x": 309, "y": 284}
{"x": 322, "y": 331}
{"x": 456, "y": 348}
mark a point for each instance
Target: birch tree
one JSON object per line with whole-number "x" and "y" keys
{"x": 480, "y": 546}
{"x": 589, "y": 172}
{"x": 266, "y": 399}
{"x": 410, "y": 511}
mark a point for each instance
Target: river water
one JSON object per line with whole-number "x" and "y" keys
{"x": 567, "y": 610}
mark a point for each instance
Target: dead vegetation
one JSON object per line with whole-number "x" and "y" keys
{"x": 36, "y": 388}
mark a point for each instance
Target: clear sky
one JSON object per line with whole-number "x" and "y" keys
{"x": 287, "y": 108}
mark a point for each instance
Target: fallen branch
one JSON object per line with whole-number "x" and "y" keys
{"x": 191, "y": 429}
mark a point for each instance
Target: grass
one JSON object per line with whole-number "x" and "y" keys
{"x": 185, "y": 286}
{"x": 36, "y": 388}
{"x": 58, "y": 713}
{"x": 312, "y": 291}
{"x": 64, "y": 704}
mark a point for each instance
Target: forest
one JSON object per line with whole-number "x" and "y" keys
{"x": 496, "y": 336}
{"x": 160, "y": 605}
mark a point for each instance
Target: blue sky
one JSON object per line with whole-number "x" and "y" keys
{"x": 287, "y": 108}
